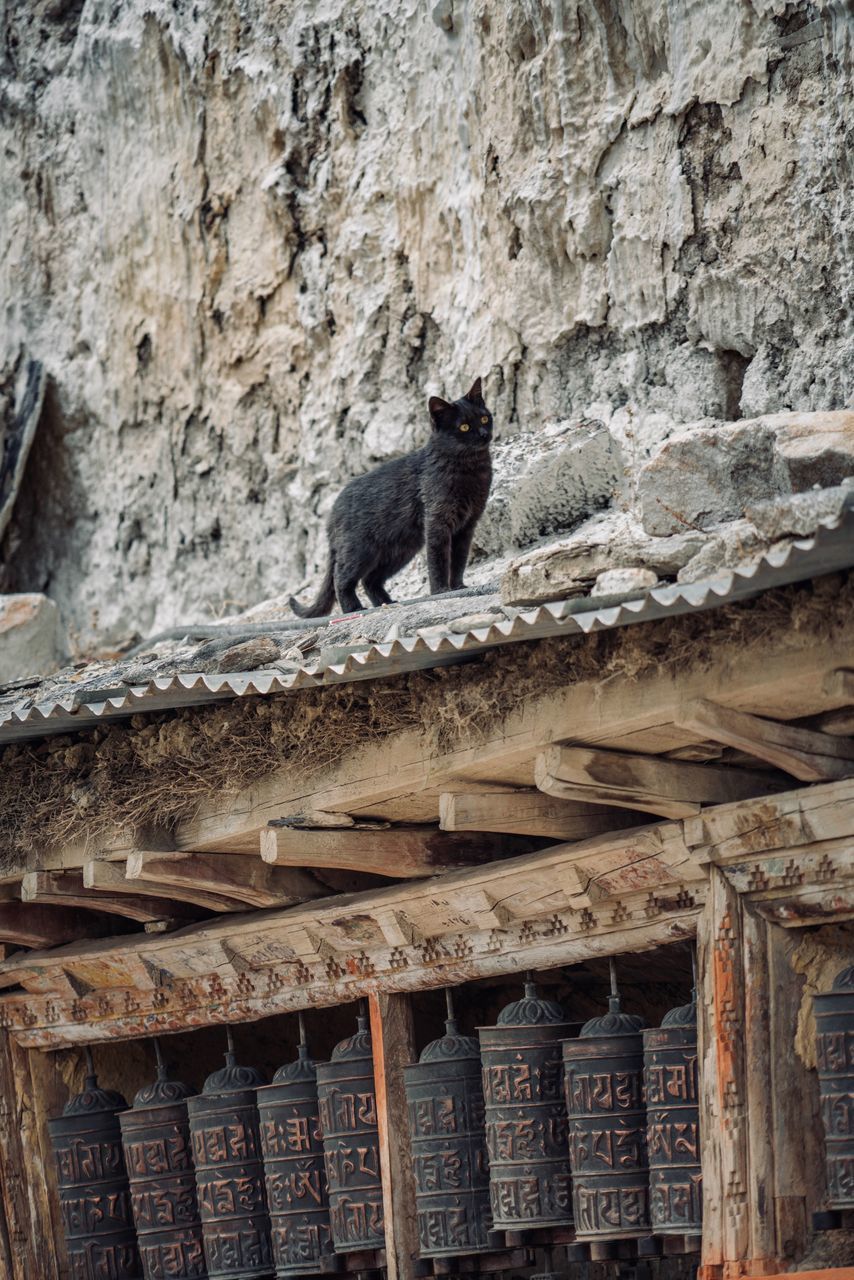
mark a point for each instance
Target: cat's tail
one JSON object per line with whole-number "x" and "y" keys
{"x": 324, "y": 600}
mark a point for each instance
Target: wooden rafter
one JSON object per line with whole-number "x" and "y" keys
{"x": 527, "y": 811}
{"x": 31, "y": 925}
{"x": 671, "y": 788}
{"x": 398, "y": 852}
{"x": 67, "y": 888}
{"x": 112, "y": 879}
{"x": 245, "y": 880}
{"x": 804, "y": 753}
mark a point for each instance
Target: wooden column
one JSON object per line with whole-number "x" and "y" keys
{"x": 393, "y": 1038}
{"x": 23, "y": 1176}
{"x": 759, "y": 1120}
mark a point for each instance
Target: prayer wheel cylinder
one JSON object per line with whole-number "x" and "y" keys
{"x": 292, "y": 1146}
{"x": 673, "y": 1123}
{"x": 444, "y": 1095}
{"x": 529, "y": 1179}
{"x": 607, "y": 1127}
{"x": 834, "y": 1018}
{"x": 230, "y": 1175}
{"x": 348, "y": 1120}
{"x": 158, "y": 1155}
{"x": 94, "y": 1194}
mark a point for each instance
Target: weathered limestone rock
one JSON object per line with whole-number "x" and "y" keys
{"x": 547, "y": 482}
{"x": 571, "y": 566}
{"x": 735, "y": 543}
{"x": 801, "y": 513}
{"x": 707, "y": 474}
{"x": 31, "y": 640}
{"x": 247, "y": 242}
{"x": 623, "y": 582}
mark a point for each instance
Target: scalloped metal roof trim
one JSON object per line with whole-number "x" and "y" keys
{"x": 830, "y": 549}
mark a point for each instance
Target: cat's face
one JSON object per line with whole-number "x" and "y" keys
{"x": 466, "y": 422}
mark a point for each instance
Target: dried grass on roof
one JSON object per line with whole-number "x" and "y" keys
{"x": 157, "y": 769}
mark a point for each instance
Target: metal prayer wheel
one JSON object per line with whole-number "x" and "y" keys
{"x": 158, "y": 1155}
{"x": 607, "y": 1127}
{"x": 834, "y": 1017}
{"x": 93, "y": 1185}
{"x": 348, "y": 1119}
{"x": 292, "y": 1146}
{"x": 444, "y": 1094}
{"x": 229, "y": 1173}
{"x": 673, "y": 1123}
{"x": 529, "y": 1182}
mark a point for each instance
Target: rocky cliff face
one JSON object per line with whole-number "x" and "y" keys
{"x": 247, "y": 239}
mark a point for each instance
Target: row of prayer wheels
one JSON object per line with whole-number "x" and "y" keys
{"x": 538, "y": 1124}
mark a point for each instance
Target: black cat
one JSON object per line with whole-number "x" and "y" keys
{"x": 435, "y": 494}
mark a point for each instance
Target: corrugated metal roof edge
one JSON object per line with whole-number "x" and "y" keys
{"x": 829, "y": 549}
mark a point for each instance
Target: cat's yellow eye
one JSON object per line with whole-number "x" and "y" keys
{"x": 464, "y": 426}
{"x": 484, "y": 421}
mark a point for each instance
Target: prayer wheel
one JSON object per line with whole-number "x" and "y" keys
{"x": 230, "y": 1175}
{"x": 158, "y": 1155}
{"x": 444, "y": 1094}
{"x": 607, "y": 1127}
{"x": 529, "y": 1181}
{"x": 834, "y": 1018}
{"x": 348, "y": 1119}
{"x": 292, "y": 1146}
{"x": 673, "y": 1123}
{"x": 93, "y": 1184}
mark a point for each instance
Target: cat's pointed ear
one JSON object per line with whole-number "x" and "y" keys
{"x": 475, "y": 392}
{"x": 437, "y": 407}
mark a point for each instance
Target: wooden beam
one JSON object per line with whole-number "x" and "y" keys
{"x": 398, "y": 852}
{"x": 393, "y": 1041}
{"x": 245, "y": 880}
{"x": 807, "y": 815}
{"x": 805, "y": 754}
{"x": 67, "y": 888}
{"x": 667, "y": 787}
{"x": 111, "y": 878}
{"x": 27, "y": 925}
{"x": 526, "y": 811}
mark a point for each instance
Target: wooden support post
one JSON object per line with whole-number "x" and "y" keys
{"x": 759, "y": 1121}
{"x": 29, "y": 1219}
{"x": 393, "y": 1039}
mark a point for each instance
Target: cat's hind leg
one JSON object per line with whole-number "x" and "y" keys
{"x": 374, "y": 584}
{"x": 460, "y": 548}
{"x": 346, "y": 578}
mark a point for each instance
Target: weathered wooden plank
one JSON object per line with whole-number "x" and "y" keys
{"x": 22, "y": 1173}
{"x": 759, "y": 1100}
{"x": 525, "y": 811}
{"x": 798, "y": 817}
{"x": 811, "y": 906}
{"x": 398, "y": 852}
{"x": 245, "y": 880}
{"x": 67, "y": 888}
{"x": 112, "y": 878}
{"x": 805, "y": 754}
{"x": 393, "y": 1041}
{"x": 671, "y": 788}
{"x": 48, "y": 1096}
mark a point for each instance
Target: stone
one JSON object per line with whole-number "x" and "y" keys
{"x": 547, "y": 482}
{"x": 250, "y": 655}
{"x": 704, "y": 475}
{"x": 319, "y": 215}
{"x": 815, "y": 448}
{"x": 619, "y": 582}
{"x": 31, "y": 637}
{"x": 736, "y": 543}
{"x": 569, "y": 567}
{"x": 802, "y": 513}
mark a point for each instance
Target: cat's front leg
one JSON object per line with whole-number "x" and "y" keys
{"x": 460, "y": 548}
{"x": 439, "y": 557}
